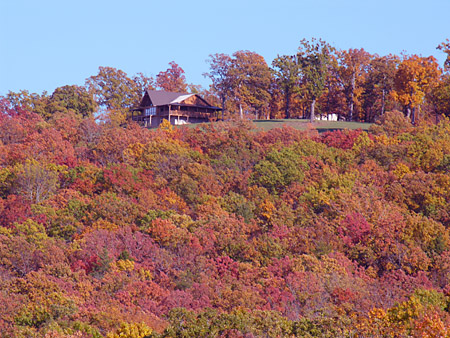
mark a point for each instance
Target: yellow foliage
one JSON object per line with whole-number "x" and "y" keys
{"x": 401, "y": 170}
{"x": 371, "y": 272}
{"x": 362, "y": 142}
{"x": 415, "y": 75}
{"x": 85, "y": 288}
{"x": 416, "y": 317}
{"x": 104, "y": 224}
{"x": 61, "y": 169}
{"x": 389, "y": 266}
{"x": 33, "y": 232}
{"x": 4, "y": 174}
{"x": 166, "y": 126}
{"x": 375, "y": 325}
{"x": 133, "y": 152}
{"x": 131, "y": 330}
{"x": 6, "y": 232}
{"x": 386, "y": 140}
{"x": 145, "y": 274}
{"x": 331, "y": 265}
{"x": 267, "y": 209}
{"x": 125, "y": 265}
{"x": 377, "y": 314}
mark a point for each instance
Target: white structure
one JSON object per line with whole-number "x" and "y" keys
{"x": 328, "y": 117}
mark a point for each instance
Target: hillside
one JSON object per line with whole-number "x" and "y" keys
{"x": 223, "y": 230}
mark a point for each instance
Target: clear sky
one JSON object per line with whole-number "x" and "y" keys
{"x": 45, "y": 44}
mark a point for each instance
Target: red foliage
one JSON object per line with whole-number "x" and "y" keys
{"x": 343, "y": 139}
{"x": 87, "y": 265}
{"x": 355, "y": 229}
{"x": 15, "y": 209}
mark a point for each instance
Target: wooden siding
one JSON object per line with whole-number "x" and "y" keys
{"x": 195, "y": 101}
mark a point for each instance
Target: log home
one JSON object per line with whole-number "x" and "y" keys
{"x": 177, "y": 108}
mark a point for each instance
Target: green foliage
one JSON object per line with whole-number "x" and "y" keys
{"x": 209, "y": 323}
{"x": 314, "y": 58}
{"x": 72, "y": 98}
{"x": 33, "y": 232}
{"x": 286, "y": 69}
{"x": 279, "y": 169}
{"x": 239, "y": 205}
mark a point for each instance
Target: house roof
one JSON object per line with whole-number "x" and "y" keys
{"x": 161, "y": 98}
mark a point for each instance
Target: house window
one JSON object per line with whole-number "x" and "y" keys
{"x": 150, "y": 111}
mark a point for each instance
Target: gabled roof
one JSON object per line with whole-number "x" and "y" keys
{"x": 161, "y": 98}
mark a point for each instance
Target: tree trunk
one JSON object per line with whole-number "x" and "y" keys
{"x": 413, "y": 115}
{"x": 223, "y": 106}
{"x": 241, "y": 113}
{"x": 350, "y": 112}
{"x": 169, "y": 114}
{"x": 313, "y": 105}
{"x": 352, "y": 98}
{"x": 383, "y": 102}
{"x": 436, "y": 114}
{"x": 408, "y": 112}
{"x": 288, "y": 103}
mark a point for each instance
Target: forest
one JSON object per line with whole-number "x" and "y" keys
{"x": 110, "y": 230}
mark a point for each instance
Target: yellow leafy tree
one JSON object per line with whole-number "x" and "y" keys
{"x": 131, "y": 330}
{"x": 166, "y": 126}
{"x": 415, "y": 76}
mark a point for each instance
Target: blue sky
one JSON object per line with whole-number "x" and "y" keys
{"x": 47, "y": 44}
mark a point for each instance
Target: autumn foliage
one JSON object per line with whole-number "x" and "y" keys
{"x": 223, "y": 230}
{"x": 111, "y": 230}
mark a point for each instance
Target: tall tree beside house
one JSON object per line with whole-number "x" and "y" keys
{"x": 219, "y": 65}
{"x": 250, "y": 79}
{"x": 173, "y": 79}
{"x": 286, "y": 70}
{"x": 72, "y": 98}
{"x": 314, "y": 58}
{"x": 115, "y": 92}
{"x": 142, "y": 83}
{"x": 414, "y": 78}
{"x": 353, "y": 70}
